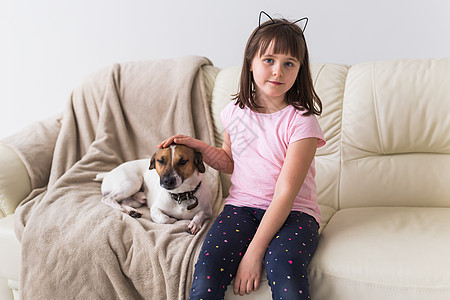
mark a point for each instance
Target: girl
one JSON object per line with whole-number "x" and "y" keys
{"x": 271, "y": 217}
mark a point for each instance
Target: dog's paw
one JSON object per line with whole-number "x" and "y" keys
{"x": 159, "y": 217}
{"x": 135, "y": 214}
{"x": 193, "y": 228}
{"x": 163, "y": 219}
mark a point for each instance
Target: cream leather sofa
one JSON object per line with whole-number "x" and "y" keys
{"x": 383, "y": 181}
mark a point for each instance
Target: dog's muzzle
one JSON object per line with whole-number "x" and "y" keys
{"x": 170, "y": 181}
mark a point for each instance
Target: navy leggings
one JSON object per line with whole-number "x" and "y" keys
{"x": 286, "y": 259}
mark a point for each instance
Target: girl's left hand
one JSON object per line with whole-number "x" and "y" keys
{"x": 248, "y": 275}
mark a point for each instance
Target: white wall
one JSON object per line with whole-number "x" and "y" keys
{"x": 48, "y": 46}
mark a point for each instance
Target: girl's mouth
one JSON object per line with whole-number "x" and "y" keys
{"x": 277, "y": 83}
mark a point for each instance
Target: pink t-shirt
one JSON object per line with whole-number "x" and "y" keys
{"x": 258, "y": 144}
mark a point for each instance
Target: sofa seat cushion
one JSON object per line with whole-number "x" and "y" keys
{"x": 383, "y": 253}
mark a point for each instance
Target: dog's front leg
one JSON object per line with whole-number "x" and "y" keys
{"x": 195, "y": 225}
{"x": 159, "y": 217}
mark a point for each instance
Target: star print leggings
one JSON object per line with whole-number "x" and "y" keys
{"x": 286, "y": 259}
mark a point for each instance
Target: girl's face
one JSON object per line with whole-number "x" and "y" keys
{"x": 274, "y": 74}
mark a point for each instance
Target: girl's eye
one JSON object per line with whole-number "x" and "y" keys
{"x": 289, "y": 64}
{"x": 268, "y": 60}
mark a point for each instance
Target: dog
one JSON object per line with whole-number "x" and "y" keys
{"x": 171, "y": 185}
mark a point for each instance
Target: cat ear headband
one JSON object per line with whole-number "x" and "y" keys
{"x": 273, "y": 22}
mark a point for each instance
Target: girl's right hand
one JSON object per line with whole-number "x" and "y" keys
{"x": 248, "y": 275}
{"x": 179, "y": 139}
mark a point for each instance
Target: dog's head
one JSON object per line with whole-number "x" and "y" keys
{"x": 175, "y": 164}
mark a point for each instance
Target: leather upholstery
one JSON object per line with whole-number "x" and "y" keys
{"x": 382, "y": 180}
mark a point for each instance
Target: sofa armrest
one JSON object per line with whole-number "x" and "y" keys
{"x": 34, "y": 145}
{"x": 15, "y": 183}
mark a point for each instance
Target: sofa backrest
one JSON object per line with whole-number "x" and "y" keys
{"x": 387, "y": 126}
{"x": 396, "y": 134}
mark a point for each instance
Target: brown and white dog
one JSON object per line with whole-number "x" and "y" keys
{"x": 170, "y": 183}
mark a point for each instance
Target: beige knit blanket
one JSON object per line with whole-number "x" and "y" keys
{"x": 75, "y": 247}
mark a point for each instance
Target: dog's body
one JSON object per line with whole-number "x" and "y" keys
{"x": 170, "y": 183}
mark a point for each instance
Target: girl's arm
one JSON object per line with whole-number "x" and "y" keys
{"x": 220, "y": 159}
{"x": 298, "y": 159}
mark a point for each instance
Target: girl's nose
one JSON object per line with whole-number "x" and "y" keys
{"x": 277, "y": 71}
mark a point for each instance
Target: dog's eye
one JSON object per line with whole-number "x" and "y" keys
{"x": 182, "y": 162}
{"x": 161, "y": 161}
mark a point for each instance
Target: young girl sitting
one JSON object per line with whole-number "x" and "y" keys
{"x": 271, "y": 216}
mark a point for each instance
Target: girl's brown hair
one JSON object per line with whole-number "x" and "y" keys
{"x": 287, "y": 38}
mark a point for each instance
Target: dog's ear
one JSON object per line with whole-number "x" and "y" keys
{"x": 198, "y": 162}
{"x": 152, "y": 161}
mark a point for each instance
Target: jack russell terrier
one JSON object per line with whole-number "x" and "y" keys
{"x": 171, "y": 185}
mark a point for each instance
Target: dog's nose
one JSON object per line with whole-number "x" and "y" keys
{"x": 168, "y": 182}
